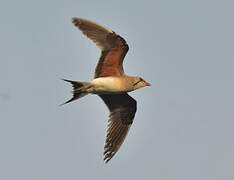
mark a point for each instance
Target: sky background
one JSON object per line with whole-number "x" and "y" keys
{"x": 183, "y": 128}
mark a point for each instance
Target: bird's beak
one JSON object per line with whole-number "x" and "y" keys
{"x": 147, "y": 84}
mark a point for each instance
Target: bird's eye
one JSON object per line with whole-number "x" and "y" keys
{"x": 140, "y": 80}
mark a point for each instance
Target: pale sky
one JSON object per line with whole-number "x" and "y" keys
{"x": 183, "y": 128}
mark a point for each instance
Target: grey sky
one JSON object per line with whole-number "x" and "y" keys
{"x": 183, "y": 128}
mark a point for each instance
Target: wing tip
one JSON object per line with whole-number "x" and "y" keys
{"x": 107, "y": 157}
{"x": 76, "y": 21}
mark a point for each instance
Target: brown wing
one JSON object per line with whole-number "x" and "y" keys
{"x": 122, "y": 109}
{"x": 113, "y": 48}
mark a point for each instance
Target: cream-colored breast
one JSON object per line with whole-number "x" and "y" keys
{"x": 107, "y": 85}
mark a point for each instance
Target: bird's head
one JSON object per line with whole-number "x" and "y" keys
{"x": 139, "y": 83}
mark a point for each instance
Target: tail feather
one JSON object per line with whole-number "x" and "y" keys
{"x": 79, "y": 90}
{"x": 75, "y": 84}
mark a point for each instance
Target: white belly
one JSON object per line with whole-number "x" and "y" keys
{"x": 106, "y": 85}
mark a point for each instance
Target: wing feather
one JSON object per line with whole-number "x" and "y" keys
{"x": 113, "y": 48}
{"x": 122, "y": 109}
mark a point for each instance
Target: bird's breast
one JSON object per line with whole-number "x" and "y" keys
{"x": 107, "y": 85}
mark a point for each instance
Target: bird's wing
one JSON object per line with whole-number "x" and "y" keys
{"x": 122, "y": 109}
{"x": 113, "y": 48}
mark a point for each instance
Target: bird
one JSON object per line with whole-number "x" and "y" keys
{"x": 110, "y": 83}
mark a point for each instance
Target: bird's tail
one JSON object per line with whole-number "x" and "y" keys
{"x": 79, "y": 89}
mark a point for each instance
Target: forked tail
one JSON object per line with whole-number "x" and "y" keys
{"x": 79, "y": 89}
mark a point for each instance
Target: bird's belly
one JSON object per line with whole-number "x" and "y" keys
{"x": 106, "y": 85}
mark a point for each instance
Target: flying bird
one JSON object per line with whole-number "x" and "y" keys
{"x": 110, "y": 83}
